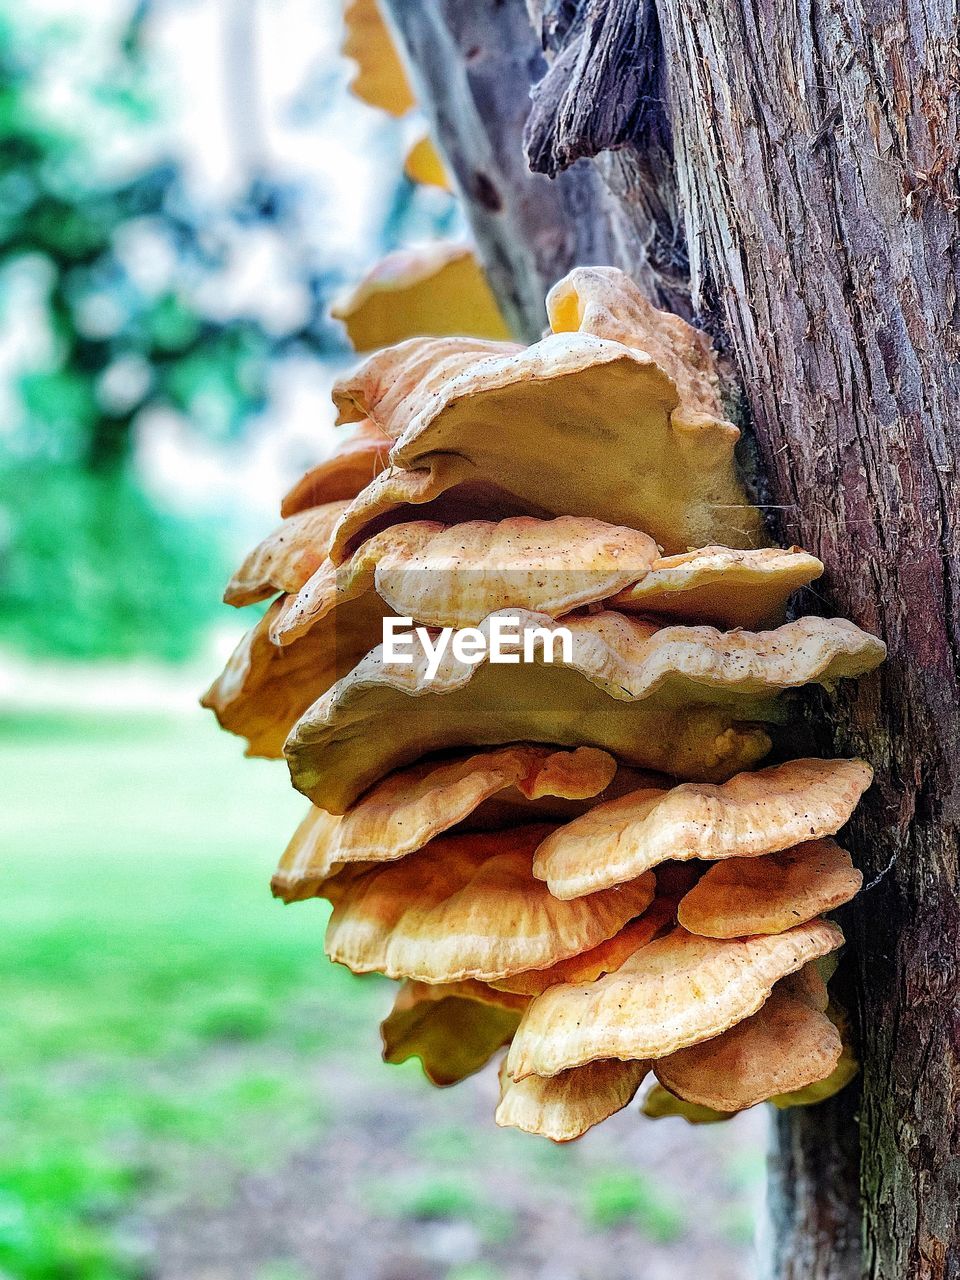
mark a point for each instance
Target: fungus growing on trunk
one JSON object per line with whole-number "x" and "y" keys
{"x": 457, "y": 575}
{"x": 454, "y": 1028}
{"x": 672, "y": 993}
{"x": 681, "y": 700}
{"x": 565, "y": 1106}
{"x": 770, "y": 894}
{"x": 751, "y": 814}
{"x": 785, "y": 1046}
{"x": 401, "y": 813}
{"x": 644, "y": 459}
{"x": 486, "y": 831}
{"x": 351, "y": 467}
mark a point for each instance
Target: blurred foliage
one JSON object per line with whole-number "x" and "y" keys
{"x": 89, "y": 565}
{"x": 120, "y": 257}
{"x": 92, "y": 568}
{"x": 440, "y": 1197}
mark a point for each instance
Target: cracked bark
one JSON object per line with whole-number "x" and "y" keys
{"x": 800, "y": 163}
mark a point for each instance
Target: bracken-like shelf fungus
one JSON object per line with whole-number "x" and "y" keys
{"x": 580, "y": 865}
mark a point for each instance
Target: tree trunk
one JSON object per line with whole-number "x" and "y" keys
{"x": 802, "y": 162}
{"x": 817, "y": 156}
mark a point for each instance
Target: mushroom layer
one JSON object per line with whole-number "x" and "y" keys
{"x": 573, "y": 854}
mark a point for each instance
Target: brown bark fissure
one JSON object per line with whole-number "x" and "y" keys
{"x": 814, "y": 150}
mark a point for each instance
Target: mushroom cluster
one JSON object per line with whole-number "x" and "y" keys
{"x": 578, "y": 856}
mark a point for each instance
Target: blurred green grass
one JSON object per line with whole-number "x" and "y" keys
{"x": 614, "y": 1196}
{"x": 168, "y": 1027}
{"x": 157, "y": 1002}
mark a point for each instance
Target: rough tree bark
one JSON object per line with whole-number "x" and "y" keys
{"x": 789, "y": 174}
{"x": 573, "y": 115}
{"x": 473, "y": 77}
{"x": 817, "y": 152}
{"x": 474, "y": 65}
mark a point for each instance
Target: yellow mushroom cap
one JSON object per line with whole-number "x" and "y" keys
{"x": 845, "y": 1070}
{"x": 807, "y": 987}
{"x": 393, "y": 386}
{"x": 409, "y": 807}
{"x": 771, "y": 893}
{"x": 605, "y": 303}
{"x": 448, "y": 492}
{"x": 287, "y": 558}
{"x": 565, "y": 1106}
{"x": 264, "y": 690}
{"x": 680, "y": 700}
{"x": 609, "y": 406}
{"x": 434, "y": 290}
{"x": 380, "y": 78}
{"x": 661, "y": 1102}
{"x": 309, "y": 860}
{"x": 464, "y": 572}
{"x": 606, "y": 957}
{"x": 425, "y": 165}
{"x": 466, "y": 906}
{"x": 749, "y": 815}
{"x": 723, "y": 586}
{"x": 785, "y": 1045}
{"x": 809, "y": 984}
{"x": 456, "y": 575}
{"x": 423, "y": 571}
{"x": 351, "y": 466}
{"x": 454, "y": 1028}
{"x": 674, "y": 992}
{"x": 332, "y": 586}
